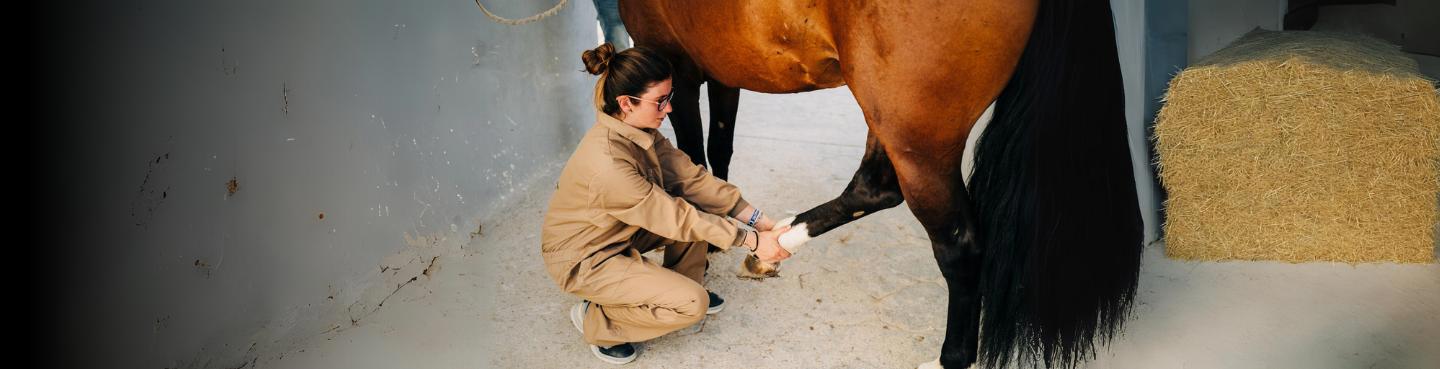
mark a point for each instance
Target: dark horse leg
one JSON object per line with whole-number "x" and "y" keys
{"x": 935, "y": 190}
{"x": 929, "y": 175}
{"x": 724, "y": 102}
{"x": 685, "y": 116}
{"x": 689, "y": 136}
{"x": 873, "y": 188}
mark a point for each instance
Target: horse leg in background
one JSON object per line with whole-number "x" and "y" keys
{"x": 873, "y": 188}
{"x": 724, "y": 101}
{"x": 685, "y": 116}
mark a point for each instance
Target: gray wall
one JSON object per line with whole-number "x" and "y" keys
{"x": 1167, "y": 30}
{"x": 1215, "y": 23}
{"x": 1131, "y": 45}
{"x": 387, "y": 117}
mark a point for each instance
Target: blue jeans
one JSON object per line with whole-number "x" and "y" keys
{"x": 610, "y": 24}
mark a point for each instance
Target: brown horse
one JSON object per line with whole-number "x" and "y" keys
{"x": 1047, "y": 241}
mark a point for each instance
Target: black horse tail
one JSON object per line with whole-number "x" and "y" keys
{"x": 1054, "y": 195}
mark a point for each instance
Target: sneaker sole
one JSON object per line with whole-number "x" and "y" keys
{"x": 715, "y": 309}
{"x": 613, "y": 360}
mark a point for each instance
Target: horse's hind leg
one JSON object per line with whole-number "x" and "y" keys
{"x": 939, "y": 201}
{"x": 923, "y": 121}
{"x": 928, "y": 170}
{"x": 724, "y": 101}
{"x": 921, "y": 90}
{"x": 873, "y": 188}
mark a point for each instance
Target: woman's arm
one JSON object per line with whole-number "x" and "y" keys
{"x": 711, "y": 194}
{"x": 692, "y": 182}
{"x": 762, "y": 220}
{"x": 623, "y": 193}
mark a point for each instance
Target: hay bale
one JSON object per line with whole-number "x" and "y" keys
{"x": 1301, "y": 146}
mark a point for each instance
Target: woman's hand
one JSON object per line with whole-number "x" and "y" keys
{"x": 769, "y": 249}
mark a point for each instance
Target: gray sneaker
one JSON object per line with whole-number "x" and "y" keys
{"x": 619, "y": 354}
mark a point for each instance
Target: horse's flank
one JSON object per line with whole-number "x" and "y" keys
{"x": 766, "y": 46}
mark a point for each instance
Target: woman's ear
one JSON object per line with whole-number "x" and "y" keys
{"x": 624, "y": 104}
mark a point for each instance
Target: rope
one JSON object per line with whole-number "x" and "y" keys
{"x": 516, "y": 22}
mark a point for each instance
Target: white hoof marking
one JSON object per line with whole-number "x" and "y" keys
{"x": 793, "y": 238}
{"x": 785, "y": 222}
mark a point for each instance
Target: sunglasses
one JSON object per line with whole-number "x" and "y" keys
{"x": 659, "y": 104}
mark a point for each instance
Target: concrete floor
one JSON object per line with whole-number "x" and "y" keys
{"x": 869, "y": 295}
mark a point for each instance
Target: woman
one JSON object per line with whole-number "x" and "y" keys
{"x": 625, "y": 191}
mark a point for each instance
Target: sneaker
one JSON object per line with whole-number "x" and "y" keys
{"x": 618, "y": 354}
{"x": 716, "y": 303}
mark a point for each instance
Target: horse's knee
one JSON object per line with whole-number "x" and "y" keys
{"x": 874, "y": 188}
{"x": 959, "y": 254}
{"x": 887, "y": 199}
{"x": 967, "y": 243}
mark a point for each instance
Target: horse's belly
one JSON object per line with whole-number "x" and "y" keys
{"x": 765, "y": 46}
{"x": 777, "y": 70}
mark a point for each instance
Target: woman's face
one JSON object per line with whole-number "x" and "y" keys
{"x": 650, "y": 109}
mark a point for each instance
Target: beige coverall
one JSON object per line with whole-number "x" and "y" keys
{"x": 626, "y": 191}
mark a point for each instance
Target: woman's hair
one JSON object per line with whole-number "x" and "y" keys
{"x": 628, "y": 72}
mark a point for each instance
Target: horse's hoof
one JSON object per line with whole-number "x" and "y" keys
{"x": 753, "y": 268}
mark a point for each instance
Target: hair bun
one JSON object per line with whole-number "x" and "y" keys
{"x": 597, "y": 61}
